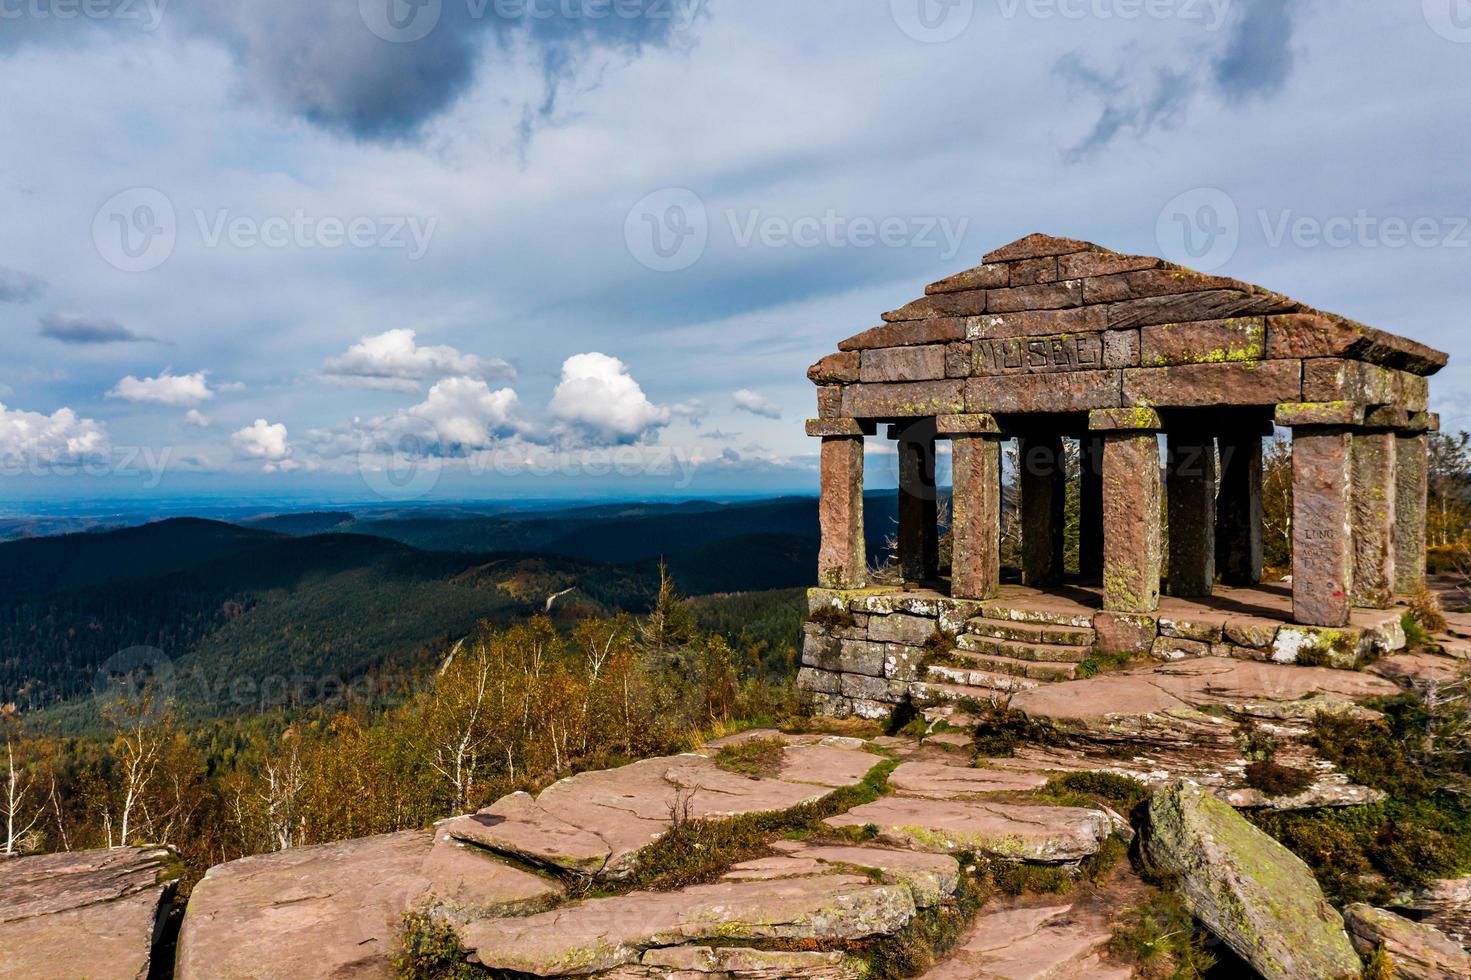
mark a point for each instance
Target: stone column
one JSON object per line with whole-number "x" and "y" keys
{"x": 975, "y": 505}
{"x": 1131, "y": 508}
{"x": 1239, "y": 548}
{"x": 842, "y": 560}
{"x": 1373, "y": 501}
{"x": 1191, "y": 492}
{"x": 1043, "y": 482}
{"x": 919, "y": 530}
{"x": 1090, "y": 508}
{"x": 1412, "y": 483}
{"x": 1322, "y": 533}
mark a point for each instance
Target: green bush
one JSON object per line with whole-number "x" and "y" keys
{"x": 428, "y": 949}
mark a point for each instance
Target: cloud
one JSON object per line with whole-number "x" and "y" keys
{"x": 1150, "y": 91}
{"x": 19, "y": 287}
{"x": 394, "y": 361}
{"x": 747, "y": 400}
{"x": 196, "y": 418}
{"x": 1135, "y": 98}
{"x": 599, "y": 402}
{"x": 459, "y": 415}
{"x": 1258, "y": 56}
{"x": 343, "y": 67}
{"x": 77, "y": 328}
{"x": 177, "y": 390}
{"x": 266, "y": 443}
{"x": 60, "y": 437}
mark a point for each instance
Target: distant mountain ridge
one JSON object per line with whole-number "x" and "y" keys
{"x": 331, "y": 593}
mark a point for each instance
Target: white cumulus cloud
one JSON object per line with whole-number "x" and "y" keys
{"x": 61, "y": 437}
{"x": 465, "y": 415}
{"x": 195, "y": 417}
{"x": 175, "y": 390}
{"x": 395, "y": 361}
{"x": 601, "y": 402}
{"x": 265, "y": 442}
{"x": 747, "y": 400}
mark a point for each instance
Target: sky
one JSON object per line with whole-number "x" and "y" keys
{"x": 418, "y": 249}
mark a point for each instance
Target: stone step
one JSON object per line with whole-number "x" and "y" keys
{"x": 1039, "y": 633}
{"x": 951, "y": 684}
{"x": 1036, "y": 670}
{"x": 1019, "y": 650}
{"x": 1039, "y": 613}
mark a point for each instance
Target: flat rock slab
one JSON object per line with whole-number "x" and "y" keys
{"x": 687, "y": 962}
{"x": 1418, "y": 951}
{"x": 82, "y": 914}
{"x": 1220, "y": 681}
{"x": 605, "y": 933}
{"x": 930, "y": 878}
{"x": 1419, "y": 668}
{"x": 1019, "y": 832}
{"x": 336, "y": 910}
{"x": 941, "y": 782}
{"x": 595, "y": 823}
{"x": 1048, "y": 943}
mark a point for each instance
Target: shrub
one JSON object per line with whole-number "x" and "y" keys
{"x": 1001, "y": 729}
{"x": 1275, "y": 779}
{"x": 752, "y": 756}
{"x": 428, "y": 949}
{"x": 1162, "y": 938}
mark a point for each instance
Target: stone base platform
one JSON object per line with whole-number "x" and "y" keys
{"x": 866, "y": 651}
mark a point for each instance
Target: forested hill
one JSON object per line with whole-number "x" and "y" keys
{"x": 278, "y": 598}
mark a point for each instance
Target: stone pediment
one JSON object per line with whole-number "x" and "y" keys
{"x": 1057, "y": 325}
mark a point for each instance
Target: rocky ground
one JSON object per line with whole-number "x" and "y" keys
{"x": 813, "y": 855}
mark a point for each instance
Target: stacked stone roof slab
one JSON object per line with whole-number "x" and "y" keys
{"x": 1057, "y": 325}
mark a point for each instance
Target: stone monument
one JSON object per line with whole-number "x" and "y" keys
{"x": 1054, "y": 339}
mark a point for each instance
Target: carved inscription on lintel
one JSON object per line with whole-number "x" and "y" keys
{"x": 1039, "y": 355}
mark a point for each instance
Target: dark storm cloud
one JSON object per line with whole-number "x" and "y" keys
{"x": 1143, "y": 94}
{"x": 1258, "y": 56}
{"x": 1158, "y": 100}
{"x": 358, "y": 67}
{"x": 19, "y": 287}
{"x": 76, "y": 328}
